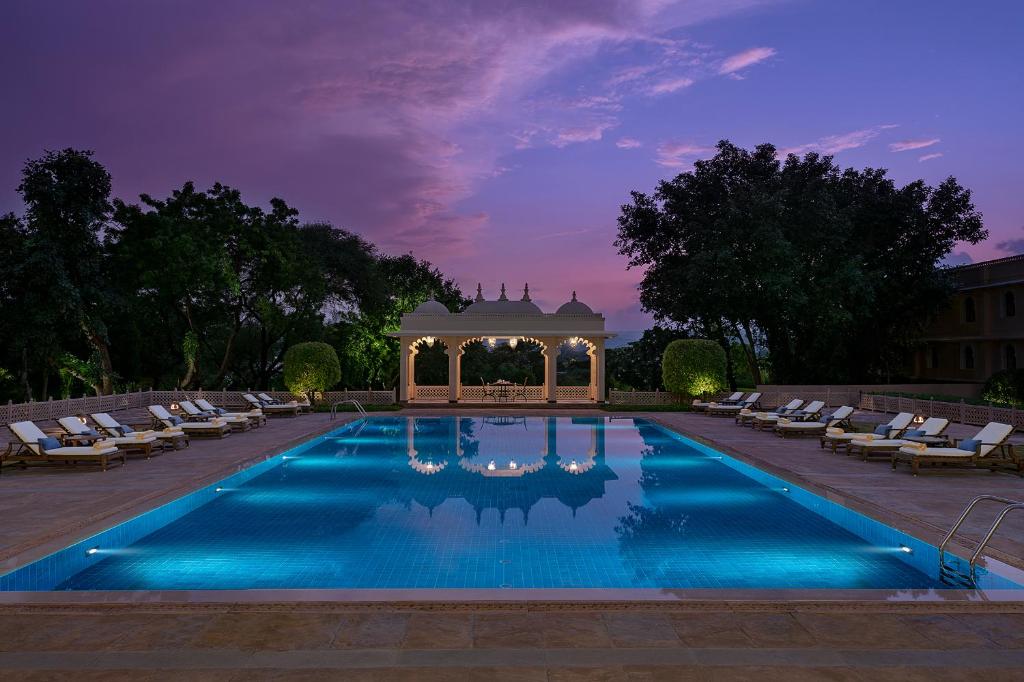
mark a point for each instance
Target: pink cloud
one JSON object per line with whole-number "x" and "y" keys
{"x": 665, "y": 87}
{"x": 746, "y": 58}
{"x": 928, "y": 157}
{"x": 679, "y": 154}
{"x": 628, "y": 143}
{"x": 588, "y": 133}
{"x": 908, "y": 145}
{"x": 833, "y": 144}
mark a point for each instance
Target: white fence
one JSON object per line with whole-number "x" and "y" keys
{"x": 55, "y": 409}
{"x": 962, "y": 412}
{"x": 533, "y": 393}
{"x": 642, "y": 398}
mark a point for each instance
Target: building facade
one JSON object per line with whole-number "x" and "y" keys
{"x": 982, "y": 331}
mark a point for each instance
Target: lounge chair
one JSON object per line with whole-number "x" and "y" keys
{"x": 215, "y": 428}
{"x": 868, "y": 445}
{"x": 255, "y": 416}
{"x": 785, "y": 427}
{"x": 36, "y": 446}
{"x": 762, "y": 420}
{"x": 808, "y": 413}
{"x": 989, "y": 449}
{"x": 304, "y": 404}
{"x": 195, "y": 414}
{"x": 746, "y": 415}
{"x": 840, "y": 438}
{"x": 268, "y": 408}
{"x": 749, "y": 403}
{"x": 699, "y": 405}
{"x": 135, "y": 443}
{"x": 176, "y": 438}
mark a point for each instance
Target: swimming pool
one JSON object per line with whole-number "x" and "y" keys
{"x": 495, "y": 502}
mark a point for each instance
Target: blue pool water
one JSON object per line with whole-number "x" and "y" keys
{"x": 468, "y": 502}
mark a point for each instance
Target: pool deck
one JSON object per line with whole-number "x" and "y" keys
{"x": 46, "y": 508}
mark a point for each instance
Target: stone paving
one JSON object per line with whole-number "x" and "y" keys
{"x": 48, "y": 507}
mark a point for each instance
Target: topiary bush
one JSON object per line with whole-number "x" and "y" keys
{"x": 1005, "y": 387}
{"x": 693, "y": 367}
{"x": 311, "y": 368}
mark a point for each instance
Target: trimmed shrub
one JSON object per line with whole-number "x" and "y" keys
{"x": 693, "y": 367}
{"x": 1005, "y": 387}
{"x": 311, "y": 368}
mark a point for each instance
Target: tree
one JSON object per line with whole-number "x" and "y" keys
{"x": 67, "y": 200}
{"x": 311, "y": 368}
{"x": 637, "y": 365}
{"x": 835, "y": 272}
{"x": 693, "y": 367}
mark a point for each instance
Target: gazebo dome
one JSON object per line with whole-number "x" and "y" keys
{"x": 574, "y": 307}
{"x": 503, "y": 306}
{"x": 431, "y": 307}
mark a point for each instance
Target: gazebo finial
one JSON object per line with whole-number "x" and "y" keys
{"x": 526, "y": 292}
{"x": 573, "y": 295}
{"x": 503, "y": 297}
{"x": 479, "y": 293}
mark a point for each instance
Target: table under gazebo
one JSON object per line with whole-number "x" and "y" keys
{"x": 502, "y": 320}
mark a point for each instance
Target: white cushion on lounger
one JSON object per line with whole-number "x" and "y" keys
{"x": 941, "y": 452}
{"x": 201, "y": 426}
{"x": 878, "y": 442}
{"x": 133, "y": 440}
{"x": 799, "y": 426}
{"x": 80, "y": 450}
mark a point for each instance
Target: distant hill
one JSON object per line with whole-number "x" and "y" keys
{"x": 624, "y": 338}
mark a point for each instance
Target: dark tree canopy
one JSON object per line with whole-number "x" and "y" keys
{"x": 834, "y": 272}
{"x": 197, "y": 289}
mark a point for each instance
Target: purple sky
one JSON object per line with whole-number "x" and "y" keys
{"x": 498, "y": 139}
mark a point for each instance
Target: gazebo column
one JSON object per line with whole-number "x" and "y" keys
{"x": 403, "y": 369}
{"x": 599, "y": 366}
{"x": 550, "y": 352}
{"x": 454, "y": 368}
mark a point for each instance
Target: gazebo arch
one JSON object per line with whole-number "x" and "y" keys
{"x": 501, "y": 319}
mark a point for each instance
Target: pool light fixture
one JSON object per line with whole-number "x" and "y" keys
{"x": 218, "y": 489}
{"x": 785, "y": 489}
{"x": 92, "y": 550}
{"x": 905, "y": 549}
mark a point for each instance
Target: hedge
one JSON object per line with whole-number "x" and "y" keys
{"x": 693, "y": 367}
{"x": 311, "y": 368}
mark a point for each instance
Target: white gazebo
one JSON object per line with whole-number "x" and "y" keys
{"x": 502, "y": 320}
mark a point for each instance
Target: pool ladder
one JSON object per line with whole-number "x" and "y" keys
{"x": 359, "y": 408}
{"x": 947, "y": 571}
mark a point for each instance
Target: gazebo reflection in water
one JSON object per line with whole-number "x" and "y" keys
{"x": 507, "y": 463}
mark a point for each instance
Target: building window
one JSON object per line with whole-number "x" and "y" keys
{"x": 1009, "y": 304}
{"x": 1010, "y": 357}
{"x": 969, "y": 313}
{"x": 967, "y": 358}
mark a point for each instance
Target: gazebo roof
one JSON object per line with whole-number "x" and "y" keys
{"x": 504, "y": 317}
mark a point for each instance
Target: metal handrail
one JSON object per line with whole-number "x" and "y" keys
{"x": 991, "y": 532}
{"x": 963, "y": 517}
{"x": 359, "y": 408}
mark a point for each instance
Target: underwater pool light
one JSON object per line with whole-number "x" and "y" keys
{"x": 92, "y": 550}
{"x": 785, "y": 489}
{"x": 904, "y": 548}
{"x": 218, "y": 489}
